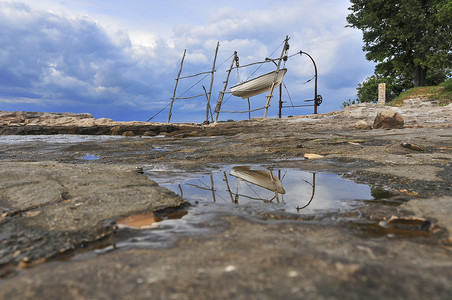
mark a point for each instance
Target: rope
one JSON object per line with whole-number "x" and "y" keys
{"x": 193, "y": 86}
{"x": 229, "y": 97}
{"x": 225, "y": 60}
{"x": 309, "y": 80}
{"x": 190, "y": 97}
{"x": 290, "y": 98}
{"x": 242, "y": 112}
{"x": 158, "y": 113}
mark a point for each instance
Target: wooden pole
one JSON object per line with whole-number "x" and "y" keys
{"x": 175, "y": 87}
{"x": 272, "y": 89}
{"x": 249, "y": 109}
{"x": 220, "y": 97}
{"x": 280, "y": 101}
{"x": 211, "y": 84}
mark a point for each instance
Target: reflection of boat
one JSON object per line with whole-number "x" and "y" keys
{"x": 258, "y": 85}
{"x": 239, "y": 184}
{"x": 260, "y": 178}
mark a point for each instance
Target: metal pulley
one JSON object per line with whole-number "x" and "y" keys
{"x": 318, "y": 100}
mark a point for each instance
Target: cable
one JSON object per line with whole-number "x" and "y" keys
{"x": 158, "y": 113}
{"x": 309, "y": 80}
{"x": 225, "y": 60}
{"x": 290, "y": 98}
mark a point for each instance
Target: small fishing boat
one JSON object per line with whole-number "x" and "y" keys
{"x": 258, "y": 85}
{"x": 264, "y": 179}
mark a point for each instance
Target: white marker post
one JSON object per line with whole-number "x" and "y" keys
{"x": 382, "y": 93}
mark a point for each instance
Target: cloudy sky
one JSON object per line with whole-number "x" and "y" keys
{"x": 119, "y": 58}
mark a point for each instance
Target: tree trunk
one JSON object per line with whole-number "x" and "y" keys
{"x": 419, "y": 76}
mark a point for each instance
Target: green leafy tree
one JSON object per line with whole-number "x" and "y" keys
{"x": 409, "y": 39}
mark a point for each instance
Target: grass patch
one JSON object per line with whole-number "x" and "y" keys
{"x": 441, "y": 93}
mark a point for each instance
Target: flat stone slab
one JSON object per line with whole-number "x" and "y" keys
{"x": 280, "y": 260}
{"x": 439, "y": 208}
{"x": 50, "y": 199}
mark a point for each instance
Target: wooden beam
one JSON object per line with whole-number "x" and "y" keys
{"x": 175, "y": 87}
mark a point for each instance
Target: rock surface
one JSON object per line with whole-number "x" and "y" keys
{"x": 388, "y": 119}
{"x": 49, "y": 200}
{"x": 362, "y": 125}
{"x": 55, "y": 204}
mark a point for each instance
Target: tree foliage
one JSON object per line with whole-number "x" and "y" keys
{"x": 409, "y": 39}
{"x": 368, "y": 89}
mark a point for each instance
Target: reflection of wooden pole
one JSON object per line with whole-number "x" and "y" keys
{"x": 175, "y": 87}
{"x": 213, "y": 188}
{"x": 181, "y": 191}
{"x": 228, "y": 188}
{"x": 275, "y": 189}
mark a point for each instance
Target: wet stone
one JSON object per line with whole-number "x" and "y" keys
{"x": 77, "y": 204}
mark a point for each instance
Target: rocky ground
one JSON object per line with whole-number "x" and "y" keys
{"x": 56, "y": 208}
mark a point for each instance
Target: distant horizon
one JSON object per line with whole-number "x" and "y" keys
{"x": 166, "y": 116}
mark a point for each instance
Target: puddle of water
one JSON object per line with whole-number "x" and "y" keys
{"x": 90, "y": 157}
{"x": 251, "y": 191}
{"x": 288, "y": 190}
{"x": 55, "y": 139}
{"x": 148, "y": 220}
{"x": 142, "y": 221}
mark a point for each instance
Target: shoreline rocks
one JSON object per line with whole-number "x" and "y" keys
{"x": 415, "y": 113}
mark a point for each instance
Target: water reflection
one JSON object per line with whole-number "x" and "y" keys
{"x": 264, "y": 179}
{"x": 312, "y": 195}
{"x": 281, "y": 189}
{"x": 252, "y": 191}
{"x": 148, "y": 220}
{"x": 90, "y": 157}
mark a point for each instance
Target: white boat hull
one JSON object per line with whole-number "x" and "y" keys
{"x": 258, "y": 85}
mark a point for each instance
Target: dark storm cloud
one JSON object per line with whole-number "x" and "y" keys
{"x": 56, "y": 60}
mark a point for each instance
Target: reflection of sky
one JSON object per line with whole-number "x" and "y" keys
{"x": 331, "y": 191}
